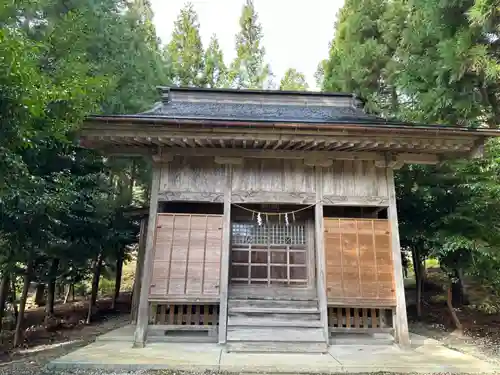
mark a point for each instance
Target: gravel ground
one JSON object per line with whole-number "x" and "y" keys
{"x": 34, "y": 363}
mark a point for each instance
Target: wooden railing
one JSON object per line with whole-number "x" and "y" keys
{"x": 362, "y": 320}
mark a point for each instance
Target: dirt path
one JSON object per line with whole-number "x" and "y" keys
{"x": 31, "y": 361}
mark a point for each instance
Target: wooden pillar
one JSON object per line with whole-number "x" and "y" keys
{"x": 138, "y": 270}
{"x": 401, "y": 320}
{"x": 320, "y": 252}
{"x": 141, "y": 328}
{"x": 226, "y": 244}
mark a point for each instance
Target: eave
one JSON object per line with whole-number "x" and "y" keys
{"x": 136, "y": 134}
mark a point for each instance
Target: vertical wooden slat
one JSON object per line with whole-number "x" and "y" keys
{"x": 339, "y": 317}
{"x": 163, "y": 312}
{"x": 189, "y": 314}
{"x": 226, "y": 242}
{"x": 143, "y": 313}
{"x": 205, "y": 315}
{"x": 365, "y": 318}
{"x": 375, "y": 258}
{"x": 171, "y": 251}
{"x": 180, "y": 314}
{"x": 320, "y": 251}
{"x": 215, "y": 318}
{"x": 203, "y": 270}
{"x": 187, "y": 254}
{"x": 196, "y": 318}
{"x": 348, "y": 317}
{"x": 171, "y": 314}
{"x": 356, "y": 318}
{"x": 360, "y": 282}
{"x": 374, "y": 318}
{"x": 402, "y": 335}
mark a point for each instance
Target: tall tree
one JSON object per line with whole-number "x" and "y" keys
{"x": 435, "y": 63}
{"x": 293, "y": 81}
{"x": 185, "y": 49}
{"x": 249, "y": 69}
{"x": 215, "y": 73}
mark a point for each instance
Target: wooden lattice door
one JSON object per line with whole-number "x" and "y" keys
{"x": 269, "y": 254}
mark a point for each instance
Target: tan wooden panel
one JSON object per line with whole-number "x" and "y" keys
{"x": 358, "y": 260}
{"x": 187, "y": 256}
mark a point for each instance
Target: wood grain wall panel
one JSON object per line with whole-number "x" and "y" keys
{"x": 359, "y": 262}
{"x": 354, "y": 178}
{"x": 187, "y": 256}
{"x": 273, "y": 175}
{"x": 192, "y": 174}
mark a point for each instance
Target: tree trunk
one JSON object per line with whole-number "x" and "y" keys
{"x": 14, "y": 298}
{"x": 417, "y": 269}
{"x": 453, "y": 314}
{"x": 18, "y": 337}
{"x": 95, "y": 287}
{"x": 51, "y": 289}
{"x": 118, "y": 277}
{"x": 40, "y": 294}
{"x": 68, "y": 291}
{"x": 4, "y": 292}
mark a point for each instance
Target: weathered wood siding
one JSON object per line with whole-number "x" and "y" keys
{"x": 357, "y": 182}
{"x": 192, "y": 179}
{"x": 359, "y": 262}
{"x": 273, "y": 180}
{"x": 187, "y": 257}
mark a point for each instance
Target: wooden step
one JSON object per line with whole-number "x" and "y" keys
{"x": 272, "y": 303}
{"x": 272, "y": 310}
{"x": 275, "y": 334}
{"x": 268, "y": 320}
{"x": 277, "y": 347}
{"x": 260, "y": 315}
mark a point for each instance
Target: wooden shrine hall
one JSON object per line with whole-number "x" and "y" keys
{"x": 272, "y": 220}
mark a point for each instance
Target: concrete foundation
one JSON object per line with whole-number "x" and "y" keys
{"x": 114, "y": 351}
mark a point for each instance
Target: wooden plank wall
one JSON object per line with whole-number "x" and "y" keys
{"x": 192, "y": 178}
{"x": 359, "y": 265}
{"x": 354, "y": 178}
{"x": 273, "y": 175}
{"x": 187, "y": 256}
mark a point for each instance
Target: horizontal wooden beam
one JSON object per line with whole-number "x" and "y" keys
{"x": 190, "y": 196}
{"x": 275, "y": 154}
{"x": 372, "y": 201}
{"x": 272, "y": 197}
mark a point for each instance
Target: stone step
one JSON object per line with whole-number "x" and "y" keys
{"x": 276, "y": 347}
{"x": 271, "y": 320}
{"x": 275, "y": 334}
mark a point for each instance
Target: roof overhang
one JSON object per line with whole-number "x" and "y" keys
{"x": 249, "y": 123}
{"x": 136, "y": 134}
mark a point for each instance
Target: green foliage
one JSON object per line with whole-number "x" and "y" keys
{"x": 215, "y": 73}
{"x": 249, "y": 70}
{"x": 293, "y": 81}
{"x": 185, "y": 50}
{"x": 434, "y": 63}
{"x": 63, "y": 205}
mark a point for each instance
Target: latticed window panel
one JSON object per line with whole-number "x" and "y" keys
{"x": 268, "y": 234}
{"x": 269, "y": 254}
